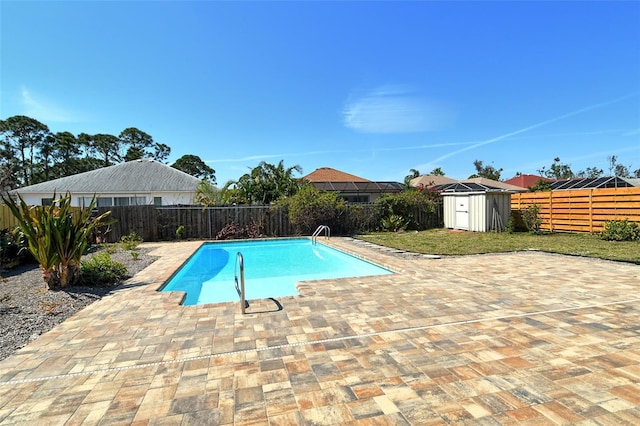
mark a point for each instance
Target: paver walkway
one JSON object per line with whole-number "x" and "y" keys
{"x": 493, "y": 339}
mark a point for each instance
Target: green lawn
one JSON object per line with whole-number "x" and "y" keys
{"x": 448, "y": 242}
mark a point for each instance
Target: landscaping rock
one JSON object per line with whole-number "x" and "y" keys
{"x": 28, "y": 309}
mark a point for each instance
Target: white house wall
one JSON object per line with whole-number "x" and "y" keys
{"x": 168, "y": 198}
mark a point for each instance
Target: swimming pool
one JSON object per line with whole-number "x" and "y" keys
{"x": 271, "y": 269}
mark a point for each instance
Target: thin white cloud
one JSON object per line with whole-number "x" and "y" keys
{"x": 394, "y": 109}
{"x": 528, "y": 128}
{"x": 43, "y": 110}
{"x": 336, "y": 151}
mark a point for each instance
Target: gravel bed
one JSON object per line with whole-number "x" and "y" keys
{"x": 28, "y": 309}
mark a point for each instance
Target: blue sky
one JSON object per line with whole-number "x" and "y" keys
{"x": 370, "y": 88}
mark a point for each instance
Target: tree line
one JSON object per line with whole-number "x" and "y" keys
{"x": 557, "y": 170}
{"x": 30, "y": 153}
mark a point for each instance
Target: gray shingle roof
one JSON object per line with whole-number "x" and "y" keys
{"x": 132, "y": 176}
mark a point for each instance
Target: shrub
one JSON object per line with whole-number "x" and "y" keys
{"x": 56, "y": 235}
{"x": 14, "y": 248}
{"x": 101, "y": 270}
{"x": 180, "y": 232}
{"x": 531, "y": 219}
{"x": 394, "y": 223}
{"x": 620, "y": 230}
{"x": 359, "y": 220}
{"x": 130, "y": 241}
{"x": 310, "y": 208}
{"x": 233, "y": 231}
{"x": 407, "y": 204}
{"x": 110, "y": 248}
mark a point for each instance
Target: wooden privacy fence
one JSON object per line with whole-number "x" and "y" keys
{"x": 161, "y": 223}
{"x": 581, "y": 210}
{"x": 7, "y": 219}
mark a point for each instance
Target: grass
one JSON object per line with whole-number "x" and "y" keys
{"x": 448, "y": 242}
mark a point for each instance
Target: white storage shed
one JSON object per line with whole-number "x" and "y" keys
{"x": 474, "y": 207}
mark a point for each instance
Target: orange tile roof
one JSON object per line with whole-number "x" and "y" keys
{"x": 327, "y": 174}
{"x": 525, "y": 181}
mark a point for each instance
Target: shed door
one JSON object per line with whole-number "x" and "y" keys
{"x": 462, "y": 212}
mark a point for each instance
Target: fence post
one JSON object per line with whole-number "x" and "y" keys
{"x": 591, "y": 210}
{"x": 551, "y": 211}
{"x": 209, "y": 216}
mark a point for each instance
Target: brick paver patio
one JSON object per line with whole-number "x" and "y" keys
{"x": 518, "y": 338}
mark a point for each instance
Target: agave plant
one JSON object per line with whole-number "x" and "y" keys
{"x": 57, "y": 236}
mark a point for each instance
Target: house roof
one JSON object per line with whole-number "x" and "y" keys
{"x": 633, "y": 181}
{"x": 132, "y": 177}
{"x": 430, "y": 180}
{"x": 494, "y": 184}
{"x": 327, "y": 174}
{"x": 469, "y": 187}
{"x": 359, "y": 187}
{"x": 526, "y": 181}
{"x": 580, "y": 183}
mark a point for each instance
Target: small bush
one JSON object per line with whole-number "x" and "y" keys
{"x": 110, "y": 248}
{"x": 101, "y": 270}
{"x": 180, "y": 232}
{"x": 233, "y": 231}
{"x": 310, "y": 208}
{"x": 14, "y": 249}
{"x": 531, "y": 218}
{"x": 620, "y": 230}
{"x": 57, "y": 236}
{"x": 407, "y": 204}
{"x": 131, "y": 241}
{"x": 394, "y": 223}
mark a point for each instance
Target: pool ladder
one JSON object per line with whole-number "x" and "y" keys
{"x": 244, "y": 304}
{"x": 318, "y": 231}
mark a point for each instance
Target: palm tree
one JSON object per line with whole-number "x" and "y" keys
{"x": 267, "y": 182}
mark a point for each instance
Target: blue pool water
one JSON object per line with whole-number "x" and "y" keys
{"x": 271, "y": 269}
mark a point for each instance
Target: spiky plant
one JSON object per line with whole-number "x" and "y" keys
{"x": 57, "y": 236}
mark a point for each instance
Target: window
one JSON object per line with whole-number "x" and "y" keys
{"x": 84, "y": 201}
{"x": 356, "y": 198}
{"x": 157, "y": 201}
{"x": 120, "y": 201}
{"x": 46, "y": 201}
{"x": 138, "y": 201}
{"x": 105, "y": 202}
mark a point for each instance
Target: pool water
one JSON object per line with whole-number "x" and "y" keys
{"x": 271, "y": 269}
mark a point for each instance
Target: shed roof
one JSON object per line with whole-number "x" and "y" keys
{"x": 469, "y": 187}
{"x": 495, "y": 184}
{"x": 132, "y": 176}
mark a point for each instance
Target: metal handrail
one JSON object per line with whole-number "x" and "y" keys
{"x": 319, "y": 229}
{"x": 244, "y": 304}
